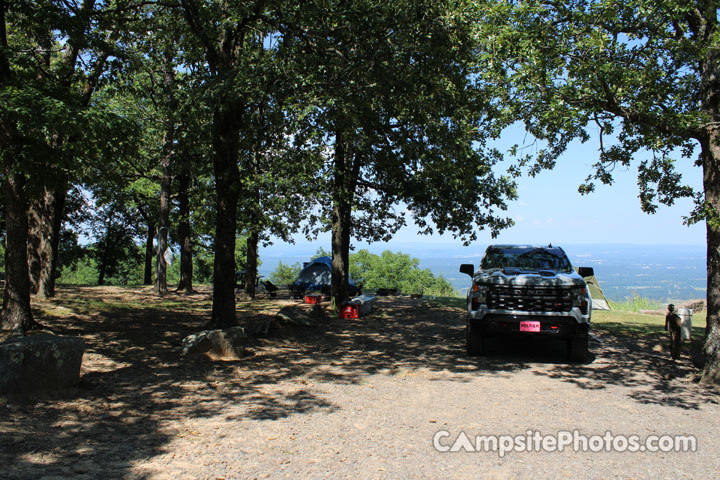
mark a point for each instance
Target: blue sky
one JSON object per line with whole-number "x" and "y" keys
{"x": 549, "y": 207}
{"x": 550, "y": 210}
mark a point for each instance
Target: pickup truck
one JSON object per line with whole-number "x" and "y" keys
{"x": 528, "y": 290}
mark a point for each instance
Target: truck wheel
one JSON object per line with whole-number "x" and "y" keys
{"x": 475, "y": 342}
{"x": 578, "y": 348}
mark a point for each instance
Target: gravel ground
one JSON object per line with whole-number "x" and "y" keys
{"x": 352, "y": 399}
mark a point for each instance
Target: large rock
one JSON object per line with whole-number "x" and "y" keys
{"x": 40, "y": 363}
{"x": 228, "y": 344}
{"x": 300, "y": 315}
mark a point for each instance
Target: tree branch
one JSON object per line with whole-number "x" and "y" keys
{"x": 92, "y": 81}
{"x": 192, "y": 15}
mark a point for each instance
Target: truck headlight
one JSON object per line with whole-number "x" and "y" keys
{"x": 480, "y": 292}
{"x": 478, "y": 296}
{"x": 581, "y": 299}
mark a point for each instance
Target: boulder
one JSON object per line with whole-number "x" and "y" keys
{"x": 300, "y": 316}
{"x": 37, "y": 363}
{"x": 228, "y": 344}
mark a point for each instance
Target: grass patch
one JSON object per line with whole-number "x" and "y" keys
{"x": 628, "y": 323}
{"x": 640, "y": 325}
{"x": 72, "y": 300}
{"x": 637, "y": 303}
{"x": 457, "y": 302}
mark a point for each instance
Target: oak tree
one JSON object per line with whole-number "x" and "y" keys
{"x": 644, "y": 75}
{"x": 402, "y": 118}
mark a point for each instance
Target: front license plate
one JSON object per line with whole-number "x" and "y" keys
{"x": 529, "y": 326}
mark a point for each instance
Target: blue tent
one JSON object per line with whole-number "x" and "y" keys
{"x": 316, "y": 276}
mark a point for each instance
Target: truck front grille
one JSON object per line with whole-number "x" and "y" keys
{"x": 530, "y": 299}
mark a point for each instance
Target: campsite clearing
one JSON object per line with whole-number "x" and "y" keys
{"x": 346, "y": 398}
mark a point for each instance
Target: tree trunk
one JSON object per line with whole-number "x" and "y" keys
{"x": 711, "y": 181}
{"x": 46, "y": 227}
{"x": 251, "y": 264}
{"x": 45, "y": 216}
{"x": 101, "y": 274}
{"x": 340, "y": 254}
{"x": 168, "y": 83}
{"x": 252, "y": 239}
{"x": 226, "y": 135}
{"x": 16, "y": 314}
{"x": 161, "y": 263}
{"x": 186, "y": 268}
{"x": 55, "y": 205}
{"x": 35, "y": 240}
{"x": 164, "y": 221}
{"x": 149, "y": 253}
{"x": 710, "y": 155}
{"x": 102, "y": 266}
{"x": 46, "y": 224}
{"x": 344, "y": 185}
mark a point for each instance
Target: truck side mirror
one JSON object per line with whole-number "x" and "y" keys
{"x": 586, "y": 271}
{"x": 467, "y": 268}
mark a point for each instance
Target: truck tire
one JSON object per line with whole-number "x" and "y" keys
{"x": 578, "y": 350}
{"x": 475, "y": 342}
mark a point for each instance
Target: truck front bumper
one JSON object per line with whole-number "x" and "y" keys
{"x": 499, "y": 322}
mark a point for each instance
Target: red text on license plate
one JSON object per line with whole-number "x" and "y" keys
{"x": 529, "y": 326}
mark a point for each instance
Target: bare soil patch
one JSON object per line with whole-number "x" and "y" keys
{"x": 346, "y": 398}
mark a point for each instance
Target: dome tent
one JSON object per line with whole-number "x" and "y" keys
{"x": 316, "y": 275}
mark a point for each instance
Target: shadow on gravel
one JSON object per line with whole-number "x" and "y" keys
{"x": 136, "y": 390}
{"x": 643, "y": 365}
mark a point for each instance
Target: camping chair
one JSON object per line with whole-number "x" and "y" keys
{"x": 270, "y": 288}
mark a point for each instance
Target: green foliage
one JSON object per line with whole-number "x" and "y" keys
{"x": 321, "y": 252}
{"x": 387, "y": 270}
{"x": 636, "y": 303}
{"x": 124, "y": 269}
{"x": 396, "y": 270}
{"x": 241, "y": 253}
{"x": 118, "y": 258}
{"x": 57, "y": 56}
{"x": 203, "y": 260}
{"x": 630, "y": 74}
{"x": 285, "y": 274}
{"x": 82, "y": 272}
{"x": 395, "y": 98}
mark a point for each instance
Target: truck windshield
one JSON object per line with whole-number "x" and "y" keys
{"x": 527, "y": 258}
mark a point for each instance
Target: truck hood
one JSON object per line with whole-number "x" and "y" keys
{"x": 543, "y": 278}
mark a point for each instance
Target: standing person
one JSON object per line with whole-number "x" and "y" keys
{"x": 672, "y": 324}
